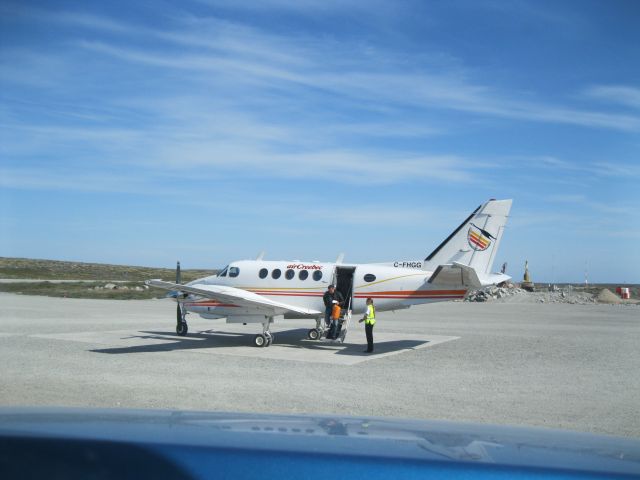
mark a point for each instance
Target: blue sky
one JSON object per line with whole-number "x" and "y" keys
{"x": 207, "y": 131}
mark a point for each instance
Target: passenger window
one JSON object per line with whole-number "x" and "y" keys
{"x": 234, "y": 272}
{"x": 289, "y": 274}
{"x": 369, "y": 277}
{"x": 263, "y": 273}
{"x": 303, "y": 274}
{"x": 317, "y": 275}
{"x": 276, "y": 273}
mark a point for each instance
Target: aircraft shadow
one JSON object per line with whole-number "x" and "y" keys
{"x": 193, "y": 341}
{"x": 211, "y": 339}
{"x": 357, "y": 348}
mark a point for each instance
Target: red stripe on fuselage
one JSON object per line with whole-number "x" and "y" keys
{"x": 209, "y": 304}
{"x": 291, "y": 294}
{"x": 392, "y": 294}
{"x": 374, "y": 295}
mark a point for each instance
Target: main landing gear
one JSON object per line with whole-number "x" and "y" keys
{"x": 316, "y": 333}
{"x": 181, "y": 325}
{"x": 266, "y": 338}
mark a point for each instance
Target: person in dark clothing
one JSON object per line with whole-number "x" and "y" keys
{"x": 330, "y": 297}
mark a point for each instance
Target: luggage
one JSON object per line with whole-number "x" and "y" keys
{"x": 340, "y": 320}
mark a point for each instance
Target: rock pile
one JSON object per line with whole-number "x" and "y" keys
{"x": 565, "y": 296}
{"x": 493, "y": 293}
{"x": 513, "y": 294}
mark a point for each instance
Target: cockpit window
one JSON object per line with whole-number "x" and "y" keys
{"x": 224, "y": 271}
{"x": 234, "y": 271}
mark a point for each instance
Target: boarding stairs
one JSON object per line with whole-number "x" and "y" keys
{"x": 344, "y": 322}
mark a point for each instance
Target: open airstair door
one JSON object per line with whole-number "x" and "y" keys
{"x": 343, "y": 280}
{"x": 344, "y": 284}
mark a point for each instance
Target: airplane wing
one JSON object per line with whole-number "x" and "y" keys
{"x": 237, "y": 296}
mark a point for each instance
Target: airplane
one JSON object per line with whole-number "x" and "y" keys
{"x": 261, "y": 291}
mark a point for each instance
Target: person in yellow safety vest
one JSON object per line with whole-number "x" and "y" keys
{"x": 369, "y": 320}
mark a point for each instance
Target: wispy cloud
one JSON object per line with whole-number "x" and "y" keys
{"x": 594, "y": 169}
{"x": 366, "y": 83}
{"x": 255, "y": 125}
{"x": 592, "y": 205}
{"x": 617, "y": 169}
{"x": 623, "y": 95}
{"x": 77, "y": 180}
{"x": 239, "y": 53}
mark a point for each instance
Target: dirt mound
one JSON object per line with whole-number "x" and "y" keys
{"x": 607, "y": 296}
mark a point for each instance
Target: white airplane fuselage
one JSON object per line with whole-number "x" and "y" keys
{"x": 261, "y": 291}
{"x": 303, "y": 284}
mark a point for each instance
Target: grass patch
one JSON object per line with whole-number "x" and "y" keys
{"x": 96, "y": 275}
{"x": 124, "y": 291}
{"x": 27, "y": 268}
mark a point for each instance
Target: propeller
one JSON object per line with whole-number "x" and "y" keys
{"x": 177, "y": 293}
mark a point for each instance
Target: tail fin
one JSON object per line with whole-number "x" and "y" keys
{"x": 475, "y": 242}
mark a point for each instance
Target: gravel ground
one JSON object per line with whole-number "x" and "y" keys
{"x": 553, "y": 365}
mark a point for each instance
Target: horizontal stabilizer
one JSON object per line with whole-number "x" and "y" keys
{"x": 459, "y": 274}
{"x": 455, "y": 274}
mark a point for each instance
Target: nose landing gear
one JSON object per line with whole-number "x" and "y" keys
{"x": 181, "y": 325}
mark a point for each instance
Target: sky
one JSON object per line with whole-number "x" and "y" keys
{"x": 207, "y": 131}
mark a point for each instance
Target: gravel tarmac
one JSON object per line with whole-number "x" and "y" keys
{"x": 563, "y": 366}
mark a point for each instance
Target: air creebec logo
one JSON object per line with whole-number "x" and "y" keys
{"x": 478, "y": 238}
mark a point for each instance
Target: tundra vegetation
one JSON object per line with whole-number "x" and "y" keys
{"x": 85, "y": 280}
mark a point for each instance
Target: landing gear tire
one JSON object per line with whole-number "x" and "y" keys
{"x": 313, "y": 334}
{"x": 260, "y": 341}
{"x": 182, "y": 328}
